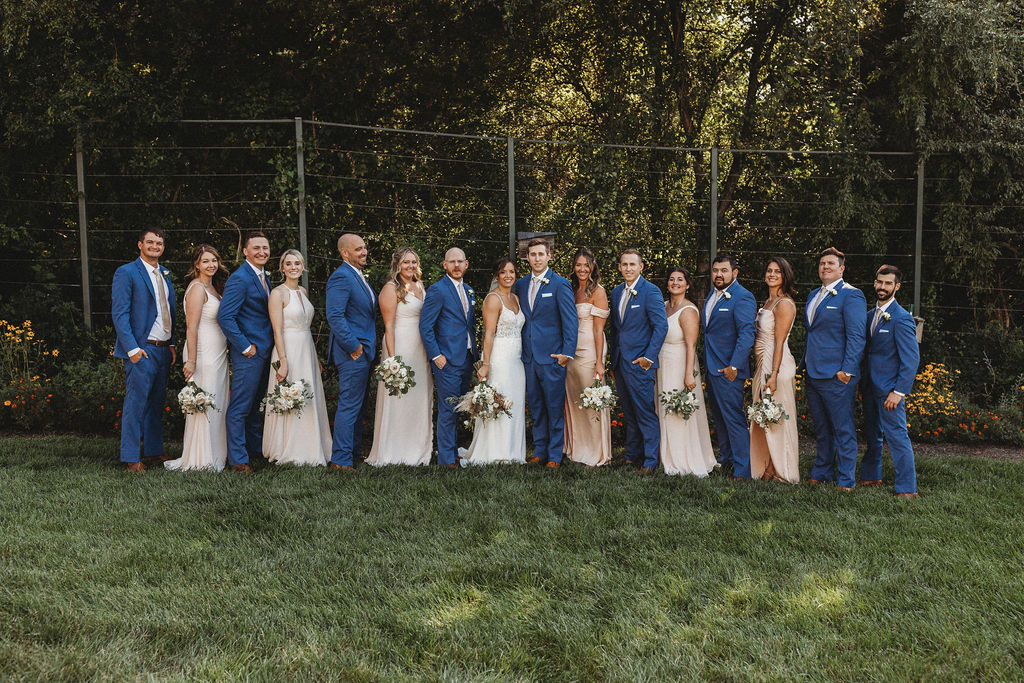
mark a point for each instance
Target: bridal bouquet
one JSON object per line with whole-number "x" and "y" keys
{"x": 597, "y": 397}
{"x": 482, "y": 401}
{"x": 397, "y": 376}
{"x": 766, "y": 412}
{"x": 194, "y": 399}
{"x": 288, "y": 396}
{"x": 682, "y": 402}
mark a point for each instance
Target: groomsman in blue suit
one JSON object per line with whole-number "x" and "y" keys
{"x": 729, "y": 314}
{"x": 351, "y": 315}
{"x": 448, "y": 331}
{"x": 834, "y": 317}
{"x": 245, "y": 322}
{"x": 549, "y": 342}
{"x": 143, "y": 309}
{"x": 639, "y": 326}
{"x": 890, "y": 365}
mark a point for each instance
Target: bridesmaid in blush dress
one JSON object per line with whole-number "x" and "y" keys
{"x": 295, "y": 438}
{"x": 775, "y": 452}
{"x": 588, "y": 436}
{"x": 204, "y": 446}
{"x": 685, "y": 444}
{"x": 403, "y": 432}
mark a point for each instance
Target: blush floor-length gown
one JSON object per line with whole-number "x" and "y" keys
{"x": 588, "y": 435}
{"x": 780, "y": 442}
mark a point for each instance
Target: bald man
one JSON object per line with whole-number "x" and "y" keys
{"x": 351, "y": 316}
{"x": 448, "y": 330}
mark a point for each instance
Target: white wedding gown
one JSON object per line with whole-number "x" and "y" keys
{"x": 204, "y": 446}
{"x": 503, "y": 439}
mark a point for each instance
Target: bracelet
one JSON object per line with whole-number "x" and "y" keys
{"x": 485, "y": 365}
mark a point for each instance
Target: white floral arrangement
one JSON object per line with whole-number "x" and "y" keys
{"x": 287, "y": 397}
{"x": 482, "y": 401}
{"x": 886, "y": 316}
{"x": 767, "y": 411}
{"x": 727, "y": 295}
{"x": 396, "y": 375}
{"x": 194, "y": 399}
{"x": 597, "y": 397}
{"x": 682, "y": 402}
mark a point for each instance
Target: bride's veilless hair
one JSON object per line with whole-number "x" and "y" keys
{"x": 500, "y": 266}
{"x": 394, "y": 274}
{"x": 595, "y": 274}
{"x": 290, "y": 252}
{"x": 690, "y": 293}
{"x": 219, "y": 278}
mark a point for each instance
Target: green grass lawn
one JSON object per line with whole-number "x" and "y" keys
{"x": 501, "y": 573}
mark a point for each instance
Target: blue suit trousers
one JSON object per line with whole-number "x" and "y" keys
{"x": 888, "y": 425}
{"x": 545, "y": 393}
{"x": 144, "y": 399}
{"x": 640, "y": 412}
{"x": 831, "y": 404}
{"x": 353, "y": 376}
{"x": 451, "y": 381}
{"x": 243, "y": 420}
{"x": 730, "y": 423}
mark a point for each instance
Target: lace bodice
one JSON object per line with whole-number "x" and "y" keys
{"x": 509, "y": 324}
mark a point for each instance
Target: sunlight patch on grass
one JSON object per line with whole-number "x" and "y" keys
{"x": 463, "y": 608}
{"x": 818, "y": 595}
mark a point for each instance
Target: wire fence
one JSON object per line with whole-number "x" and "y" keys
{"x": 305, "y": 182}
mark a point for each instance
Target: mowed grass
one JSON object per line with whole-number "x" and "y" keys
{"x": 501, "y": 573}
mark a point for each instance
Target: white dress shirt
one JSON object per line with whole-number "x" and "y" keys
{"x": 157, "y": 332}
{"x": 878, "y": 312}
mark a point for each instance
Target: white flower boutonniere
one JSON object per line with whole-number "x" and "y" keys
{"x": 632, "y": 292}
{"x": 545, "y": 281}
{"x": 727, "y": 295}
{"x": 886, "y": 317}
{"x": 164, "y": 272}
{"x": 831, "y": 291}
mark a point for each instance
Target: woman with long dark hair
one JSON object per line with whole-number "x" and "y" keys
{"x": 587, "y": 440}
{"x": 775, "y": 453}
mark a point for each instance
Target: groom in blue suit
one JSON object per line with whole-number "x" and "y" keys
{"x": 244, "y": 320}
{"x": 448, "y": 331}
{"x": 834, "y": 317}
{"x": 144, "y": 310}
{"x": 639, "y": 327}
{"x": 890, "y": 365}
{"x": 729, "y": 314}
{"x": 351, "y": 315}
{"x": 549, "y": 342}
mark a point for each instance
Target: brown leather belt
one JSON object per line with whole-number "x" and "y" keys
{"x": 156, "y": 342}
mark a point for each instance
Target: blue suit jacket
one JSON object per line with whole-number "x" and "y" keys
{"x": 552, "y": 324}
{"x": 351, "y": 314}
{"x": 443, "y": 325}
{"x": 641, "y": 332}
{"x": 133, "y": 305}
{"x": 243, "y": 316}
{"x": 835, "y": 340}
{"x": 729, "y": 333}
{"x": 891, "y": 356}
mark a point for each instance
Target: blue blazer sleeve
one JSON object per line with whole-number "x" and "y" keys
{"x": 429, "y": 312}
{"x": 905, "y": 331}
{"x": 570, "y": 319}
{"x": 853, "y": 318}
{"x": 227, "y": 314}
{"x": 121, "y": 309}
{"x": 654, "y": 308}
{"x": 744, "y": 313}
{"x": 338, "y": 293}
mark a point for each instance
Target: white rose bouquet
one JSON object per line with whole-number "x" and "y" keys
{"x": 681, "y": 402}
{"x": 597, "y": 397}
{"x": 482, "y": 401}
{"x": 396, "y": 376}
{"x": 767, "y": 411}
{"x": 288, "y": 396}
{"x": 194, "y": 399}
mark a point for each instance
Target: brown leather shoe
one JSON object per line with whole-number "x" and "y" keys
{"x": 244, "y": 467}
{"x": 846, "y": 489}
{"x": 135, "y": 467}
{"x": 336, "y": 466}
{"x": 535, "y": 460}
{"x": 554, "y": 465}
{"x": 907, "y": 495}
{"x": 813, "y": 481}
{"x": 644, "y": 470}
{"x": 738, "y": 478}
{"x": 870, "y": 482}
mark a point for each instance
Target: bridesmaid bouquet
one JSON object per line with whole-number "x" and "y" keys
{"x": 482, "y": 401}
{"x": 597, "y": 397}
{"x": 288, "y": 396}
{"x": 766, "y": 412}
{"x": 397, "y": 376}
{"x": 681, "y": 402}
{"x": 194, "y": 399}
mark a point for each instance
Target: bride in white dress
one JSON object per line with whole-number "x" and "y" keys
{"x": 295, "y": 438}
{"x": 204, "y": 446}
{"x": 403, "y": 431}
{"x": 503, "y": 439}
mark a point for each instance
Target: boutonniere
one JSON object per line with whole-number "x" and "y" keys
{"x": 886, "y": 317}
{"x": 471, "y": 292}
{"x": 165, "y": 273}
{"x": 632, "y": 292}
{"x": 545, "y": 281}
{"x": 727, "y": 295}
{"x": 830, "y": 291}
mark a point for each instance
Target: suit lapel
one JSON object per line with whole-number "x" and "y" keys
{"x": 146, "y": 278}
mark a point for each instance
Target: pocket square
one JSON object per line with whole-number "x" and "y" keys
{"x": 546, "y": 295}
{"x": 883, "y": 331}
{"x": 724, "y": 310}
{"x": 832, "y": 307}
{"x": 635, "y": 306}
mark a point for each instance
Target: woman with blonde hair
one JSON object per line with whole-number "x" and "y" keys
{"x": 403, "y": 432}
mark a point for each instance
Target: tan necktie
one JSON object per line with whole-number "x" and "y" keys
{"x": 263, "y": 281}
{"x": 165, "y": 311}
{"x": 534, "y": 286}
{"x": 878, "y": 319}
{"x": 815, "y": 304}
{"x": 623, "y": 302}
{"x": 712, "y": 303}
{"x": 463, "y": 299}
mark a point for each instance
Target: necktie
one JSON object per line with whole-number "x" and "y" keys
{"x": 463, "y": 299}
{"x": 623, "y": 302}
{"x": 815, "y": 303}
{"x": 712, "y": 303}
{"x": 165, "y": 311}
{"x": 534, "y": 286}
{"x": 263, "y": 281}
{"x": 878, "y": 319}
